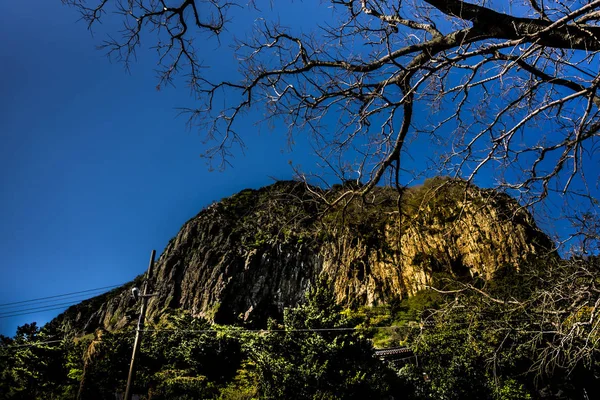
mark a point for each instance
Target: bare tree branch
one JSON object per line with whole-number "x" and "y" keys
{"x": 513, "y": 94}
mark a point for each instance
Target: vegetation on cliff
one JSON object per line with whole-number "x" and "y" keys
{"x": 507, "y": 344}
{"x": 247, "y": 257}
{"x": 459, "y": 276}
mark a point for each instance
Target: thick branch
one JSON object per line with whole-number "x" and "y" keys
{"x": 503, "y": 26}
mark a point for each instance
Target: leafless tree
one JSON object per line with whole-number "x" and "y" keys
{"x": 507, "y": 87}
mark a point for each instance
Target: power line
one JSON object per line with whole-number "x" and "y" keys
{"x": 269, "y": 330}
{"x": 16, "y": 346}
{"x": 242, "y": 330}
{"x": 228, "y": 332}
{"x": 299, "y": 330}
{"x": 342, "y": 329}
{"x": 41, "y": 308}
{"x": 82, "y": 297}
{"x": 60, "y": 295}
{"x": 48, "y": 303}
{"x": 36, "y": 311}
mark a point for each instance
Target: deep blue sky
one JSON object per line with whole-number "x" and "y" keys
{"x": 96, "y": 169}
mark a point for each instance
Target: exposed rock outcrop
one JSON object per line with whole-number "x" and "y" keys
{"x": 249, "y": 256}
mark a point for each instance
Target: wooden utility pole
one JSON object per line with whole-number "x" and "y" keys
{"x": 140, "y": 326}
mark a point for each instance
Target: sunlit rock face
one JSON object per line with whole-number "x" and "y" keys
{"x": 247, "y": 257}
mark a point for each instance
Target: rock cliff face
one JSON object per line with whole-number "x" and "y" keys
{"x": 249, "y": 256}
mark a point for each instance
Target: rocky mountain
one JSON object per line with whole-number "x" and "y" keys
{"x": 248, "y": 256}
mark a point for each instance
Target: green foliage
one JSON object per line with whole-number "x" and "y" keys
{"x": 454, "y": 366}
{"x": 181, "y": 384}
{"x": 510, "y": 389}
{"x": 517, "y": 337}
{"x": 399, "y": 316}
{"x": 302, "y": 364}
{"x": 195, "y": 348}
{"x": 182, "y": 357}
{"x": 33, "y": 369}
{"x": 105, "y": 364}
{"x": 461, "y": 359}
{"x": 485, "y": 343}
{"x": 283, "y": 212}
{"x": 413, "y": 308}
{"x": 244, "y": 385}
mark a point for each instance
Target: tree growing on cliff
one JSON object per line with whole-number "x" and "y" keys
{"x": 505, "y": 88}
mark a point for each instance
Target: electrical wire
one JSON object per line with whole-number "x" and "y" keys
{"x": 36, "y": 311}
{"x": 271, "y": 330}
{"x": 44, "y": 303}
{"x": 416, "y": 326}
{"x": 59, "y": 295}
{"x": 229, "y": 332}
{"x": 50, "y": 303}
{"x": 299, "y": 330}
{"x": 15, "y": 346}
{"x": 42, "y": 308}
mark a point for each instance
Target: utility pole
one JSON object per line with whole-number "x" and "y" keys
{"x": 140, "y": 326}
